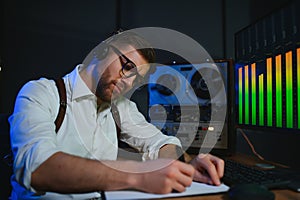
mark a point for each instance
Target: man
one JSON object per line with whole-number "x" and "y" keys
{"x": 81, "y": 158}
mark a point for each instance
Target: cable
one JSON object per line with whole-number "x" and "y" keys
{"x": 250, "y": 144}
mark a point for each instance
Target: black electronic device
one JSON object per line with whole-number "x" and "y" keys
{"x": 237, "y": 173}
{"x": 250, "y": 192}
{"x": 182, "y": 105}
{"x": 267, "y": 85}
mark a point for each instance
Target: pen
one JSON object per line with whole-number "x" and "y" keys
{"x": 103, "y": 197}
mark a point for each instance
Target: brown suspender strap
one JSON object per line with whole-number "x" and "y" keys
{"x": 125, "y": 151}
{"x": 60, "y": 116}
{"x": 62, "y": 103}
{"x": 116, "y": 116}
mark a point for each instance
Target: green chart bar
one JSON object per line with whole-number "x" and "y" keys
{"x": 269, "y": 92}
{"x": 240, "y": 95}
{"x": 289, "y": 90}
{"x": 246, "y": 94}
{"x": 298, "y": 84}
{"x": 253, "y": 92}
{"x": 278, "y": 91}
{"x": 261, "y": 99}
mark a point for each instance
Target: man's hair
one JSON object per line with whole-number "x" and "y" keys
{"x": 123, "y": 39}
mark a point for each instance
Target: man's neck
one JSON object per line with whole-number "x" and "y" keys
{"x": 102, "y": 105}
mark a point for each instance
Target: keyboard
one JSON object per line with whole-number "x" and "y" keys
{"x": 238, "y": 173}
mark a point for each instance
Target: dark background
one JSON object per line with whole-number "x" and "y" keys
{"x": 50, "y": 37}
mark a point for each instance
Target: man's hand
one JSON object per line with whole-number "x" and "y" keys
{"x": 164, "y": 176}
{"x": 209, "y": 169}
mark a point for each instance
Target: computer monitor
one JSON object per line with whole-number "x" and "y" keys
{"x": 267, "y": 85}
{"x": 178, "y": 91}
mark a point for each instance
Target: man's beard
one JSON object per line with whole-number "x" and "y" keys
{"x": 104, "y": 90}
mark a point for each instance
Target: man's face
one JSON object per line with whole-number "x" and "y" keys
{"x": 114, "y": 81}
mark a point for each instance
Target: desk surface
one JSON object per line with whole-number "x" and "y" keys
{"x": 279, "y": 194}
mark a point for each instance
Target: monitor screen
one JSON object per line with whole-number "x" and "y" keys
{"x": 182, "y": 105}
{"x": 267, "y": 84}
{"x": 268, "y": 91}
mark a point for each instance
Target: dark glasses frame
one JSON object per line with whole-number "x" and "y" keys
{"x": 129, "y": 68}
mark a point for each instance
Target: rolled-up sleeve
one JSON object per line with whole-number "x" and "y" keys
{"x": 32, "y": 130}
{"x": 137, "y": 132}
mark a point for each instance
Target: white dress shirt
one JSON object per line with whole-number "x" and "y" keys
{"x": 84, "y": 131}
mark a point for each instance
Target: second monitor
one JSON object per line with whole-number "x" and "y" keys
{"x": 181, "y": 104}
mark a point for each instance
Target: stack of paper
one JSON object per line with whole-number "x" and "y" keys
{"x": 195, "y": 189}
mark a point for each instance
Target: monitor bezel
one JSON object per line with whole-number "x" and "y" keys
{"x": 230, "y": 119}
{"x": 231, "y": 145}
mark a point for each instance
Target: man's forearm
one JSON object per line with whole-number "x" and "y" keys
{"x": 173, "y": 151}
{"x": 64, "y": 173}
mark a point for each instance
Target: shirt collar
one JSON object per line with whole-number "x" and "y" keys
{"x": 78, "y": 87}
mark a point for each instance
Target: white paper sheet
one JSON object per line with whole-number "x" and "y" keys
{"x": 194, "y": 189}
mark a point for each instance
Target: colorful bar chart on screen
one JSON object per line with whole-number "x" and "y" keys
{"x": 246, "y": 94}
{"x": 240, "y": 92}
{"x": 278, "y": 90}
{"x": 261, "y": 99}
{"x": 269, "y": 91}
{"x": 289, "y": 89}
{"x": 253, "y": 94}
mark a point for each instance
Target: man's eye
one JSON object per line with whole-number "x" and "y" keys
{"x": 129, "y": 66}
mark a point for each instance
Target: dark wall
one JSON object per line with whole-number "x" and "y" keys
{"x": 201, "y": 20}
{"x": 48, "y": 38}
{"x": 260, "y": 8}
{"x": 237, "y": 15}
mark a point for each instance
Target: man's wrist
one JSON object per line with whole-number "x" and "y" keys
{"x": 172, "y": 151}
{"x": 180, "y": 154}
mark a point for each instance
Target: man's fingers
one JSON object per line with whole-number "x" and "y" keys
{"x": 185, "y": 174}
{"x": 187, "y": 169}
{"x": 178, "y": 187}
{"x": 203, "y": 177}
{"x": 212, "y": 166}
{"x": 219, "y": 163}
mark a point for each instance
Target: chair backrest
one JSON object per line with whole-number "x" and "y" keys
{"x": 5, "y": 148}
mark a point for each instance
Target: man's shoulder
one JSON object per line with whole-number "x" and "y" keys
{"x": 39, "y": 87}
{"x": 123, "y": 101}
{"x": 41, "y": 82}
{"x": 125, "y": 105}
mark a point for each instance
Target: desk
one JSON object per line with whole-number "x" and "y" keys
{"x": 279, "y": 194}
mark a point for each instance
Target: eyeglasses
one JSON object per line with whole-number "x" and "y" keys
{"x": 128, "y": 69}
